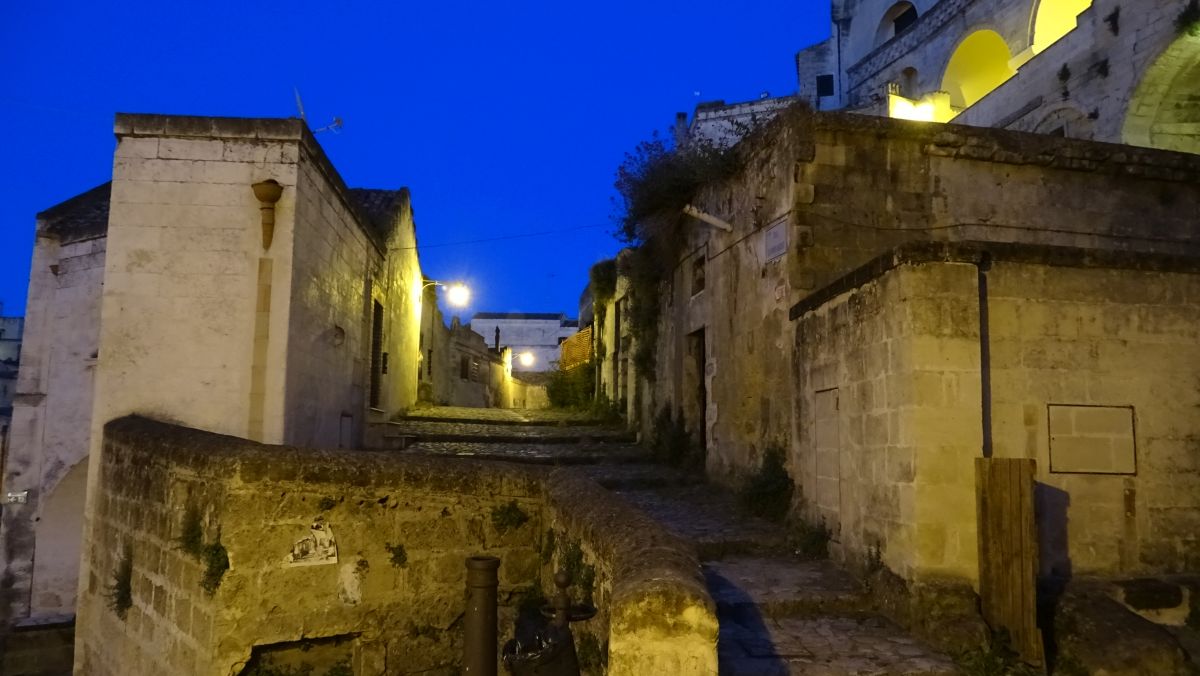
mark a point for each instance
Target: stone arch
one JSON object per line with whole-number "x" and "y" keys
{"x": 978, "y": 65}
{"x": 895, "y": 20}
{"x": 1052, "y": 19}
{"x": 59, "y": 542}
{"x": 1066, "y": 121}
{"x": 1164, "y": 111}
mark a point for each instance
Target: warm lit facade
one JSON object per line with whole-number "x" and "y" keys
{"x": 227, "y": 279}
{"x": 1075, "y": 68}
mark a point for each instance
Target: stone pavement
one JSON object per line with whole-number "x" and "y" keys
{"x": 499, "y": 416}
{"x": 779, "y": 614}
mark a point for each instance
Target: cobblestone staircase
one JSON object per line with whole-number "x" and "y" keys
{"x": 779, "y": 614}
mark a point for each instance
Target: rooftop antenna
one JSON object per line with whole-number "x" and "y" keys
{"x": 335, "y": 126}
{"x": 299, "y": 103}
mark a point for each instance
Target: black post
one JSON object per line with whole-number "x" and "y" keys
{"x": 479, "y": 643}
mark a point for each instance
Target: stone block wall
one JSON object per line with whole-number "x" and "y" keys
{"x": 1118, "y": 351}
{"x": 51, "y": 418}
{"x": 392, "y": 581}
{"x": 888, "y": 420}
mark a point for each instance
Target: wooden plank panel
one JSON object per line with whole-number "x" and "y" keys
{"x": 1008, "y": 551}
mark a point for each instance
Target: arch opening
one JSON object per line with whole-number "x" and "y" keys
{"x": 899, "y": 18}
{"x": 1055, "y": 18}
{"x": 1165, "y": 109}
{"x": 978, "y": 65}
{"x": 59, "y": 544}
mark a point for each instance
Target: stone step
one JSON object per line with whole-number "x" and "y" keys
{"x": 782, "y": 586}
{"x": 500, "y": 416}
{"x": 708, "y": 517}
{"x": 824, "y": 645}
{"x": 640, "y": 476}
{"x": 439, "y": 431}
{"x": 537, "y": 454}
{"x": 39, "y": 650}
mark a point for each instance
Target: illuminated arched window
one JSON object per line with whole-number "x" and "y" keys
{"x": 979, "y": 65}
{"x": 1054, "y": 19}
{"x": 895, "y": 21}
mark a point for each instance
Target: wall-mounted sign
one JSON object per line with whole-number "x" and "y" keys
{"x": 776, "y": 240}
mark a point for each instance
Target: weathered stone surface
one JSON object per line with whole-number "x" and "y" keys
{"x": 1095, "y": 632}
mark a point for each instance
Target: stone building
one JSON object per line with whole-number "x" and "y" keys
{"x": 534, "y": 337}
{"x": 894, "y": 299}
{"x": 255, "y": 293}
{"x": 1075, "y": 68}
{"x": 10, "y": 355}
{"x": 1087, "y": 69}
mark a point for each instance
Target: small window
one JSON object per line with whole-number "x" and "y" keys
{"x": 698, "y": 273}
{"x": 824, "y": 85}
{"x": 429, "y": 364}
{"x": 464, "y": 367}
{"x": 377, "y": 363}
{"x": 905, "y": 19}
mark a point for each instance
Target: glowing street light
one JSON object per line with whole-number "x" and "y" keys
{"x": 526, "y": 359}
{"x": 457, "y": 294}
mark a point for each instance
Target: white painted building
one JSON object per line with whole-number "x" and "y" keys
{"x": 533, "y": 336}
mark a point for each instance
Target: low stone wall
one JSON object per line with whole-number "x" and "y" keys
{"x": 207, "y": 547}
{"x": 656, "y": 616}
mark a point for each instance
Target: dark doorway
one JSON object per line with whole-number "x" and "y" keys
{"x": 696, "y": 391}
{"x": 376, "y": 353}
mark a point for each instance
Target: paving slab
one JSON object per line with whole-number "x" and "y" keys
{"x": 782, "y": 585}
{"x": 825, "y": 645}
{"x": 535, "y": 453}
{"x": 708, "y": 516}
{"x": 430, "y": 430}
{"x": 500, "y": 416}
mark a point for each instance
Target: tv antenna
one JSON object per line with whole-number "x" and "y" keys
{"x": 335, "y": 126}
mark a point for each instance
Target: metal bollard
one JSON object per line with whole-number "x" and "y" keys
{"x": 479, "y": 643}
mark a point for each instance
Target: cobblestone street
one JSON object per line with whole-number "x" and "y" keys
{"x": 778, "y": 613}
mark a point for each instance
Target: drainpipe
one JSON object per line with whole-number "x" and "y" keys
{"x": 479, "y": 640}
{"x": 985, "y": 354}
{"x": 268, "y": 193}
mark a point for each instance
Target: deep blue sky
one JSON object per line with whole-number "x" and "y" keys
{"x": 502, "y": 118}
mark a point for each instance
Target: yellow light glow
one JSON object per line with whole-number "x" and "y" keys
{"x": 934, "y": 107}
{"x": 905, "y": 109}
{"x": 979, "y": 65}
{"x": 458, "y": 295}
{"x": 527, "y": 359}
{"x": 1054, "y": 19}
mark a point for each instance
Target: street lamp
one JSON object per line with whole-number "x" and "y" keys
{"x": 457, "y": 293}
{"x": 526, "y": 359}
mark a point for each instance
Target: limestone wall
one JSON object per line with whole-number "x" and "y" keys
{"x": 391, "y": 585}
{"x": 888, "y": 419}
{"x": 825, "y": 193}
{"x": 1095, "y": 374}
{"x": 51, "y": 420}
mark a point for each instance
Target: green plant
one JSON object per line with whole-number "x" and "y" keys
{"x": 603, "y": 278}
{"x": 342, "y": 668}
{"x": 573, "y": 389}
{"x": 216, "y": 561}
{"x": 672, "y": 443}
{"x": 191, "y": 532}
{"x": 508, "y": 517}
{"x": 589, "y": 653}
{"x": 399, "y": 556}
{"x": 1188, "y": 20}
{"x": 811, "y": 541}
{"x": 120, "y": 591}
{"x": 326, "y": 503}
{"x": 874, "y": 558}
{"x": 768, "y": 492}
{"x": 995, "y": 659}
{"x": 531, "y": 601}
